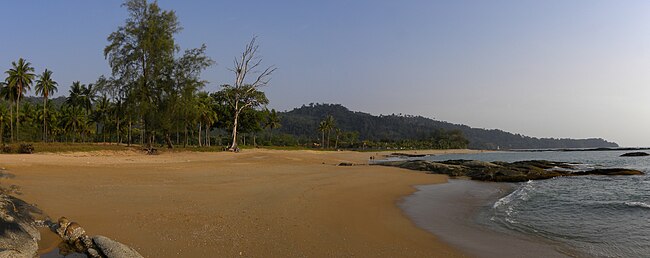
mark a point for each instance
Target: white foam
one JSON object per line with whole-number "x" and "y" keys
{"x": 638, "y": 204}
{"x": 520, "y": 193}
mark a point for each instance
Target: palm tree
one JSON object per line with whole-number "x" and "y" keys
{"x": 272, "y": 122}
{"x": 75, "y": 96}
{"x": 322, "y": 127}
{"x": 330, "y": 124}
{"x": 101, "y": 114}
{"x": 45, "y": 87}
{"x": 87, "y": 97}
{"x": 20, "y": 76}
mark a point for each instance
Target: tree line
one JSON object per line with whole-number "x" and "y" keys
{"x": 154, "y": 92}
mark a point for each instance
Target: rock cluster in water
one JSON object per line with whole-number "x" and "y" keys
{"x": 75, "y": 240}
{"x": 504, "y": 171}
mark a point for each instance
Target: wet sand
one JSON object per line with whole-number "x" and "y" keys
{"x": 455, "y": 212}
{"x": 258, "y": 203}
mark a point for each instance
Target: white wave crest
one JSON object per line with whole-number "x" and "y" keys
{"x": 520, "y": 193}
{"x": 638, "y": 204}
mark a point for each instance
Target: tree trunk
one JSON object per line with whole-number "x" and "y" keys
{"x": 207, "y": 135}
{"x": 11, "y": 121}
{"x": 200, "y": 131}
{"x": 336, "y": 144}
{"x": 186, "y": 139}
{"x": 20, "y": 90}
{"x": 129, "y": 136}
{"x": 170, "y": 145}
{"x": 44, "y": 114}
{"x": 119, "y": 139}
{"x": 233, "y": 147}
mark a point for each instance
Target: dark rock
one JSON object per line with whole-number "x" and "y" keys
{"x": 503, "y": 171}
{"x": 610, "y": 172}
{"x": 399, "y": 154}
{"x": 113, "y": 249}
{"x": 635, "y": 154}
{"x": 345, "y": 164}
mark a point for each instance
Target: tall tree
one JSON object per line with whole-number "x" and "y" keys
{"x": 244, "y": 95}
{"x": 272, "y": 122}
{"x": 4, "y": 117}
{"x": 20, "y": 76}
{"x": 45, "y": 86}
{"x": 141, "y": 54}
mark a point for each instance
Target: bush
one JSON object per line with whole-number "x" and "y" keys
{"x": 6, "y": 148}
{"x": 26, "y": 148}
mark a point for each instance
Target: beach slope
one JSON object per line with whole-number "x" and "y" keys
{"x": 257, "y": 203}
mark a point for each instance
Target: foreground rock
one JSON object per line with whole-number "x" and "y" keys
{"x": 635, "y": 154}
{"x": 76, "y": 241}
{"x": 111, "y": 248}
{"x": 504, "y": 171}
{"x": 18, "y": 233}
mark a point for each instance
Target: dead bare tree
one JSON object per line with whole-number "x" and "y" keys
{"x": 243, "y": 95}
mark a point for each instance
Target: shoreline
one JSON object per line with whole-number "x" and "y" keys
{"x": 456, "y": 212}
{"x": 255, "y": 203}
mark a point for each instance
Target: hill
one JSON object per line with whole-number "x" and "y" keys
{"x": 303, "y": 122}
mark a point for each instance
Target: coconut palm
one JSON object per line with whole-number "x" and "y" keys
{"x": 330, "y": 124}
{"x": 272, "y": 122}
{"x": 322, "y": 127}
{"x": 20, "y": 76}
{"x": 75, "y": 97}
{"x": 45, "y": 87}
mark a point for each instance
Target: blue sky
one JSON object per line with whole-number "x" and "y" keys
{"x": 542, "y": 68}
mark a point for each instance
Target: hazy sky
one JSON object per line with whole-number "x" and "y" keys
{"x": 542, "y": 68}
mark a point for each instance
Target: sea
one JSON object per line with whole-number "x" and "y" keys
{"x": 583, "y": 216}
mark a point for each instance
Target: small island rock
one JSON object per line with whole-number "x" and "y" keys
{"x": 635, "y": 154}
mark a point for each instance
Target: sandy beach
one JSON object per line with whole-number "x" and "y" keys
{"x": 257, "y": 203}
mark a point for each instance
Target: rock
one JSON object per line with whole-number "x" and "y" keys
{"x": 503, "y": 171}
{"x": 635, "y": 154}
{"x": 611, "y": 172}
{"x": 19, "y": 237}
{"x": 345, "y": 164}
{"x": 73, "y": 232}
{"x": 113, "y": 249}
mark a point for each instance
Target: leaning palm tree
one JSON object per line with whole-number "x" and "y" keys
{"x": 20, "y": 76}
{"x": 45, "y": 87}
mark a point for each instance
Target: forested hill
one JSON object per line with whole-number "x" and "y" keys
{"x": 303, "y": 122}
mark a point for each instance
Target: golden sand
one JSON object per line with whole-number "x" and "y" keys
{"x": 257, "y": 203}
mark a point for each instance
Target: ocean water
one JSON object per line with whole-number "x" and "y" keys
{"x": 589, "y": 216}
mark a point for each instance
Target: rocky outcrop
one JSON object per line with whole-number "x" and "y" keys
{"x": 76, "y": 241}
{"x": 504, "y": 171}
{"x": 635, "y": 154}
{"x": 113, "y": 249}
{"x": 19, "y": 235}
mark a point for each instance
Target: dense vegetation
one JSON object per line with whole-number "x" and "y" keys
{"x": 303, "y": 123}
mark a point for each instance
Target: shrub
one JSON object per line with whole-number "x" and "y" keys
{"x": 26, "y": 148}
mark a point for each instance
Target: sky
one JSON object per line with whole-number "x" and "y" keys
{"x": 562, "y": 69}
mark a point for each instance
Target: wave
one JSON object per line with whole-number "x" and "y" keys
{"x": 638, "y": 204}
{"x": 520, "y": 193}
